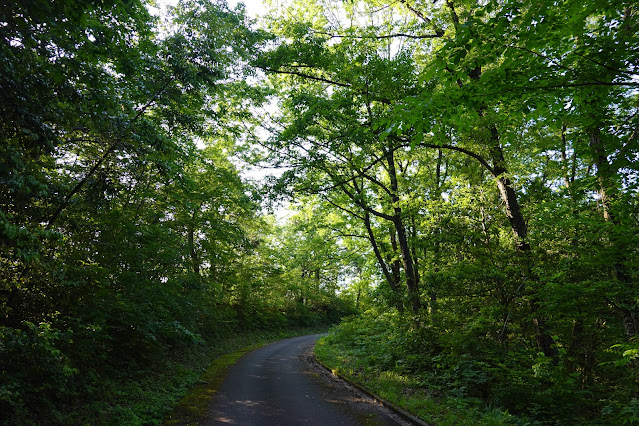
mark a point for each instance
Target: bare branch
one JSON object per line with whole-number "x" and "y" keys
{"x": 477, "y": 157}
{"x": 308, "y": 76}
{"x": 382, "y": 37}
{"x": 420, "y": 15}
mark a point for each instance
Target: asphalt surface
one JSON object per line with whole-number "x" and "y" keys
{"x": 281, "y": 384}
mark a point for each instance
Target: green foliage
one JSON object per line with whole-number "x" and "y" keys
{"x": 401, "y": 358}
{"x": 485, "y": 153}
{"x": 474, "y": 162}
{"x": 393, "y": 356}
{"x": 36, "y": 372}
{"x": 128, "y": 239}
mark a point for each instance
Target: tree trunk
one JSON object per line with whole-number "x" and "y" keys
{"x": 520, "y": 231}
{"x": 402, "y": 239}
{"x": 607, "y": 188}
{"x": 392, "y": 283}
{"x": 195, "y": 261}
{"x": 508, "y": 194}
{"x": 395, "y": 263}
{"x": 437, "y": 246}
{"x": 413, "y": 249}
{"x": 407, "y": 262}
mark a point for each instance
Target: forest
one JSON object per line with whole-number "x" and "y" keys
{"x": 451, "y": 184}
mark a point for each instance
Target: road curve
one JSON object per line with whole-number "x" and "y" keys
{"x": 279, "y": 385}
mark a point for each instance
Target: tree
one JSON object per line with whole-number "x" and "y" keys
{"x": 115, "y": 225}
{"x": 496, "y": 139}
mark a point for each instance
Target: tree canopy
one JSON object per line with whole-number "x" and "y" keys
{"x": 462, "y": 175}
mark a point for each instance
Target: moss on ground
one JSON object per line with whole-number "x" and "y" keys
{"x": 193, "y": 406}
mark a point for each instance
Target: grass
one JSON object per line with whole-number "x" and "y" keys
{"x": 193, "y": 406}
{"x": 406, "y": 392}
{"x": 175, "y": 389}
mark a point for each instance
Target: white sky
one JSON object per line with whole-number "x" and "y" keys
{"x": 254, "y": 8}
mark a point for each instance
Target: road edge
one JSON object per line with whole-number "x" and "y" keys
{"x": 381, "y": 401}
{"x": 193, "y": 406}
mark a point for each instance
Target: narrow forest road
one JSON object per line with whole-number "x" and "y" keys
{"x": 280, "y": 384}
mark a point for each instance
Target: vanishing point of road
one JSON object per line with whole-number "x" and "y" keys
{"x": 280, "y": 384}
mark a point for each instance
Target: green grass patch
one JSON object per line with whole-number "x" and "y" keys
{"x": 193, "y": 407}
{"x": 404, "y": 390}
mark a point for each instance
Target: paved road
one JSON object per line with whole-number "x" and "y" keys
{"x": 280, "y": 385}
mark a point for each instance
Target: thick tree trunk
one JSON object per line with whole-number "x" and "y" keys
{"x": 513, "y": 212}
{"x": 520, "y": 232}
{"x": 630, "y": 322}
{"x": 395, "y": 263}
{"x": 508, "y": 195}
{"x": 407, "y": 262}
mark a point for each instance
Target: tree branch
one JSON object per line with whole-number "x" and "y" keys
{"x": 65, "y": 202}
{"x": 420, "y": 15}
{"x": 477, "y": 157}
{"x": 344, "y": 209}
{"x": 324, "y": 80}
{"x": 364, "y": 206}
{"x": 382, "y": 37}
{"x": 308, "y": 76}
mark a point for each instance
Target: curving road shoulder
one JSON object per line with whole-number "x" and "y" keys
{"x": 280, "y": 384}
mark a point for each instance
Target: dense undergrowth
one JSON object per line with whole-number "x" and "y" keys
{"x": 55, "y": 378}
{"x": 450, "y": 377}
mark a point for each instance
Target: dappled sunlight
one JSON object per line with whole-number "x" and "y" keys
{"x": 461, "y": 190}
